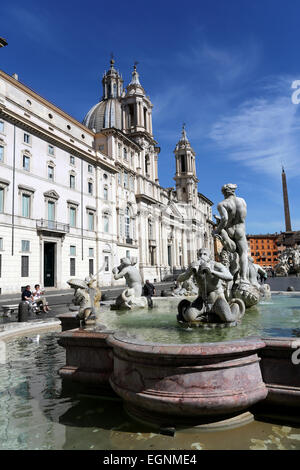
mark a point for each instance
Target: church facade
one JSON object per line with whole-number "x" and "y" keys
{"x": 76, "y": 197}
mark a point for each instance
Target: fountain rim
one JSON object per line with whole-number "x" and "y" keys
{"x": 121, "y": 339}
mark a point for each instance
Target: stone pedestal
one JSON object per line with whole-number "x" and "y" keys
{"x": 69, "y": 321}
{"x": 89, "y": 359}
{"x": 280, "y": 374}
{"x": 186, "y": 384}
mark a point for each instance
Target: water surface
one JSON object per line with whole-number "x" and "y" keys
{"x": 278, "y": 316}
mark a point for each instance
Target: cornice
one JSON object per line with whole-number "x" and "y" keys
{"x": 35, "y": 129}
{"x": 45, "y": 102}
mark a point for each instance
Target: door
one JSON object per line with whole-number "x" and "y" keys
{"x": 49, "y": 264}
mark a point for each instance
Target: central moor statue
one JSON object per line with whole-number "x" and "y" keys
{"x": 231, "y": 227}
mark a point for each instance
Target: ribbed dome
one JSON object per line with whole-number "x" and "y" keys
{"x": 103, "y": 115}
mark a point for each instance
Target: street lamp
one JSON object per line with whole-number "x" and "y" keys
{"x": 3, "y": 42}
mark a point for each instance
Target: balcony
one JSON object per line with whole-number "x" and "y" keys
{"x": 43, "y": 225}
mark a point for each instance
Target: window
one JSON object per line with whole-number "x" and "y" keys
{"x": 105, "y": 176}
{"x": 50, "y": 172}
{"x": 106, "y": 260}
{"x": 105, "y": 193}
{"x": 25, "y": 205}
{"x": 119, "y": 178}
{"x": 147, "y": 164}
{"x": 72, "y": 181}
{"x": 150, "y": 230}
{"x": 72, "y": 217}
{"x": 25, "y": 245}
{"x": 26, "y": 163}
{"x": 91, "y": 266}
{"x": 51, "y": 212}
{"x": 90, "y": 187}
{"x": 72, "y": 160}
{"x": 1, "y": 126}
{"x": 132, "y": 183}
{"x": 91, "y": 252}
{"x": 50, "y": 149}
{"x": 1, "y": 200}
{"x": 90, "y": 169}
{"x": 1, "y": 153}
{"x": 26, "y": 138}
{"x": 105, "y": 223}
{"x": 183, "y": 163}
{"x": 72, "y": 250}
{"x": 91, "y": 220}
{"x": 128, "y": 254}
{"x": 24, "y": 266}
{"x": 1, "y": 243}
{"x": 72, "y": 267}
{"x": 125, "y": 153}
{"x": 127, "y": 223}
{"x": 126, "y": 180}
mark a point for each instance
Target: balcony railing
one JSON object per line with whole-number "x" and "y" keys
{"x": 129, "y": 241}
{"x": 53, "y": 226}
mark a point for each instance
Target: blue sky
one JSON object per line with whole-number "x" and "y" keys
{"x": 225, "y": 68}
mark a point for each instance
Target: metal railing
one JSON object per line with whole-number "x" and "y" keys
{"x": 43, "y": 224}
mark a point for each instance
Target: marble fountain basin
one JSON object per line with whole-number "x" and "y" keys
{"x": 183, "y": 382}
{"x": 176, "y": 384}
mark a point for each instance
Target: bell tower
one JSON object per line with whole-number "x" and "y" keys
{"x": 185, "y": 177}
{"x": 137, "y": 107}
{"x": 112, "y": 83}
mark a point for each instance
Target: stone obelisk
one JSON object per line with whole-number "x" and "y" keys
{"x": 288, "y": 226}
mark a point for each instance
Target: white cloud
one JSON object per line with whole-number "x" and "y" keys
{"x": 262, "y": 133}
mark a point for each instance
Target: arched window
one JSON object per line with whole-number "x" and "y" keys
{"x": 105, "y": 193}
{"x": 150, "y": 230}
{"x": 147, "y": 164}
{"x": 127, "y": 222}
{"x": 105, "y": 218}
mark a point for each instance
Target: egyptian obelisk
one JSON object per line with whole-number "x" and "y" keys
{"x": 288, "y": 226}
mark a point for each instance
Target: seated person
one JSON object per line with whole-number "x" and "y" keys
{"x": 27, "y": 294}
{"x": 39, "y": 298}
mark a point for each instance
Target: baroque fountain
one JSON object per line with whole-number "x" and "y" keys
{"x": 210, "y": 376}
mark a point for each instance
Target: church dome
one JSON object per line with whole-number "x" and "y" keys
{"x": 108, "y": 112}
{"x": 103, "y": 115}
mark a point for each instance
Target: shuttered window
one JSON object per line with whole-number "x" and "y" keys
{"x": 24, "y": 266}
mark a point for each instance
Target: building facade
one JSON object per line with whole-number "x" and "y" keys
{"x": 76, "y": 197}
{"x": 264, "y": 249}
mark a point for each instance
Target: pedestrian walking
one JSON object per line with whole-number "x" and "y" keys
{"x": 149, "y": 291}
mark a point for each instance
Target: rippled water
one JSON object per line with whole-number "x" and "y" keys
{"x": 277, "y": 316}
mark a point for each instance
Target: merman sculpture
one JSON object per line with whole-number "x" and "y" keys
{"x": 211, "y": 304}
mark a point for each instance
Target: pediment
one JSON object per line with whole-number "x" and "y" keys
{"x": 51, "y": 194}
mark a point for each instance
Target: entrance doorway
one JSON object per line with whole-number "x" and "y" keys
{"x": 49, "y": 264}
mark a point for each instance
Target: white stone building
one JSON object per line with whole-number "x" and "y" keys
{"x": 75, "y": 196}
